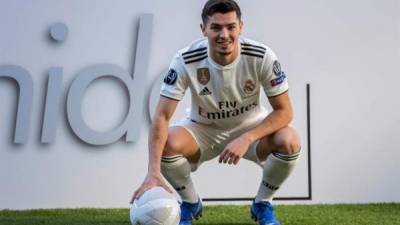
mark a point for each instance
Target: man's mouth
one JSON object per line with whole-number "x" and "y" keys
{"x": 224, "y": 44}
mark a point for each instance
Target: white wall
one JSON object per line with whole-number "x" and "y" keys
{"x": 347, "y": 50}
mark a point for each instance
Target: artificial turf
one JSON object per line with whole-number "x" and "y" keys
{"x": 363, "y": 214}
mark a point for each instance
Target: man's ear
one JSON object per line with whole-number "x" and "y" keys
{"x": 203, "y": 29}
{"x": 241, "y": 24}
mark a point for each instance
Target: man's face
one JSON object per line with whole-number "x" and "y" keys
{"x": 222, "y": 31}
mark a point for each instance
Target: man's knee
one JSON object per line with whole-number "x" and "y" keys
{"x": 181, "y": 142}
{"x": 174, "y": 145}
{"x": 286, "y": 141}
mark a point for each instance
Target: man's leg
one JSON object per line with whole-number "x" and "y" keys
{"x": 280, "y": 152}
{"x": 181, "y": 149}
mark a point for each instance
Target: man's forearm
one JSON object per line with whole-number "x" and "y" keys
{"x": 157, "y": 139}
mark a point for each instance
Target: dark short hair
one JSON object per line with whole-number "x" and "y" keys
{"x": 219, "y": 6}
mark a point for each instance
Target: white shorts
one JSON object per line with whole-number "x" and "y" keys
{"x": 212, "y": 140}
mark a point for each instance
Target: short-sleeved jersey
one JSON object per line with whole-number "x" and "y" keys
{"x": 224, "y": 95}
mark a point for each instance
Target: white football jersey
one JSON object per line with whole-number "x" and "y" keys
{"x": 224, "y": 96}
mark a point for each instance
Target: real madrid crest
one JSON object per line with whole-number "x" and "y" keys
{"x": 248, "y": 86}
{"x": 203, "y": 75}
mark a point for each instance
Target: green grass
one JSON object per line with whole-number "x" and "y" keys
{"x": 368, "y": 214}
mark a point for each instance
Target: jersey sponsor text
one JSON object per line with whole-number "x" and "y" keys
{"x": 228, "y": 110}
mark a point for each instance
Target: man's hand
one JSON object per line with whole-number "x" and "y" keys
{"x": 235, "y": 150}
{"x": 149, "y": 182}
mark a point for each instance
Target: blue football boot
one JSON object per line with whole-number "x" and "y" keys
{"x": 190, "y": 211}
{"x": 263, "y": 213}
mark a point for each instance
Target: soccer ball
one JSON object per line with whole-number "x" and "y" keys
{"x": 155, "y": 207}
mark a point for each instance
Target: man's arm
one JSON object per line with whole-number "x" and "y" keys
{"x": 157, "y": 138}
{"x": 159, "y": 132}
{"x": 279, "y": 118}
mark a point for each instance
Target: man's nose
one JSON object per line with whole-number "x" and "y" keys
{"x": 224, "y": 33}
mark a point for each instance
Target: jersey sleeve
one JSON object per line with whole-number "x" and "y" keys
{"x": 273, "y": 79}
{"x": 175, "y": 80}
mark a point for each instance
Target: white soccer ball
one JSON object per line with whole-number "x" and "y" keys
{"x": 155, "y": 207}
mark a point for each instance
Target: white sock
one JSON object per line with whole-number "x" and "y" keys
{"x": 176, "y": 170}
{"x": 276, "y": 169}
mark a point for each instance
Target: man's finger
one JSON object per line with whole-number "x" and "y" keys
{"x": 232, "y": 159}
{"x": 222, "y": 156}
{"x": 236, "y": 161}
{"x": 227, "y": 156}
{"x": 140, "y": 193}
{"x": 223, "y": 160}
{"x": 134, "y": 197}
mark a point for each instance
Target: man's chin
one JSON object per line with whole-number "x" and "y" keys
{"x": 224, "y": 52}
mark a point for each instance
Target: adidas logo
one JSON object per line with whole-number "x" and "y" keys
{"x": 205, "y": 91}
